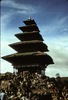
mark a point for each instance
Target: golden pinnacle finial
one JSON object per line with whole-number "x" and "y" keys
{"x": 30, "y": 18}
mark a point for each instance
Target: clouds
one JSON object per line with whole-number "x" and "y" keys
{"x": 58, "y": 48}
{"x": 19, "y": 8}
{"x": 11, "y": 11}
{"x": 56, "y": 37}
{"x": 51, "y": 72}
{"x": 6, "y": 67}
{"x": 57, "y": 27}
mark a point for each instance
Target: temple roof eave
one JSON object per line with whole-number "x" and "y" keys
{"x": 29, "y": 46}
{"x": 23, "y": 58}
{"x": 29, "y": 36}
{"x": 29, "y": 21}
{"x": 29, "y": 28}
{"x": 26, "y": 42}
{"x": 29, "y": 32}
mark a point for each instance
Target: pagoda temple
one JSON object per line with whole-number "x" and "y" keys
{"x": 31, "y": 49}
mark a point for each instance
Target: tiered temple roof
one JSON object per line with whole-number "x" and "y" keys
{"x": 29, "y": 46}
{"x": 30, "y": 50}
{"x": 29, "y": 36}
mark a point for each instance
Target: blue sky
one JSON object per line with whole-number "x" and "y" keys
{"x": 51, "y": 17}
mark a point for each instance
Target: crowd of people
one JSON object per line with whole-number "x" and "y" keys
{"x": 32, "y": 86}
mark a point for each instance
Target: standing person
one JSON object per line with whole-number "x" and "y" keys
{"x": 2, "y": 95}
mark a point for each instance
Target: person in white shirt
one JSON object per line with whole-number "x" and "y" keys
{"x": 2, "y": 94}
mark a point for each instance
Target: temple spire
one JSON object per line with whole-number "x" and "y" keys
{"x": 30, "y": 50}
